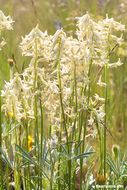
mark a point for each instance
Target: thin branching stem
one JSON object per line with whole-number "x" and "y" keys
{"x": 105, "y": 126}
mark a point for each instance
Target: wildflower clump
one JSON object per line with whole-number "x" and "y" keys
{"x": 57, "y": 98}
{"x": 94, "y": 43}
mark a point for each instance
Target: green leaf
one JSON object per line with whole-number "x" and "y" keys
{"x": 25, "y": 155}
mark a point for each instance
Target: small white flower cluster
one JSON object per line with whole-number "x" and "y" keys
{"x": 100, "y": 36}
{"x": 5, "y": 24}
{"x": 17, "y": 102}
{"x": 62, "y": 71}
{"x": 36, "y": 41}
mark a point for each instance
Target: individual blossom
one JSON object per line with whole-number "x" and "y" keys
{"x": 116, "y": 64}
{"x": 91, "y": 120}
{"x": 100, "y": 114}
{"x": 2, "y": 43}
{"x": 99, "y": 99}
{"x": 100, "y": 82}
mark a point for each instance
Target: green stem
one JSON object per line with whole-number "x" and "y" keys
{"x": 42, "y": 136}
{"x": 88, "y": 101}
{"x": 85, "y": 124}
{"x": 1, "y": 175}
{"x": 100, "y": 145}
{"x": 60, "y": 95}
{"x": 62, "y": 112}
{"x": 75, "y": 88}
{"x": 36, "y": 111}
{"x": 27, "y": 168}
{"x": 61, "y": 101}
{"x": 75, "y": 101}
{"x": 52, "y": 170}
{"x": 17, "y": 179}
{"x": 59, "y": 159}
{"x": 105, "y": 127}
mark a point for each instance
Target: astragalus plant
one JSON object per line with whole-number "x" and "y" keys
{"x": 58, "y": 103}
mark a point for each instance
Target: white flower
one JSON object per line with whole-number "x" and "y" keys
{"x": 113, "y": 25}
{"x": 2, "y": 43}
{"x": 100, "y": 114}
{"x": 98, "y": 98}
{"x": 91, "y": 121}
{"x": 100, "y": 83}
{"x": 60, "y": 35}
{"x": 116, "y": 64}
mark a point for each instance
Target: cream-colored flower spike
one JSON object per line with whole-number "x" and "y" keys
{"x": 85, "y": 25}
{"x": 5, "y": 22}
{"x": 36, "y": 43}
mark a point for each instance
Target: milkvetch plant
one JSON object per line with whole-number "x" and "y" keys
{"x": 56, "y": 98}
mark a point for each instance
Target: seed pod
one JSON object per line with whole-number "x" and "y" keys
{"x": 11, "y": 62}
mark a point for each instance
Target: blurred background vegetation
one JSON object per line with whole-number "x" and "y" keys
{"x": 54, "y": 14}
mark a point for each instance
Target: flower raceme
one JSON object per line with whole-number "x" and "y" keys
{"x": 36, "y": 41}
{"x": 6, "y": 23}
